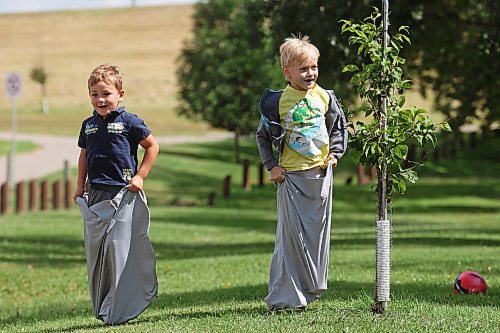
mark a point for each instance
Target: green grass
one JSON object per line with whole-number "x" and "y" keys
{"x": 213, "y": 262}
{"x": 21, "y": 147}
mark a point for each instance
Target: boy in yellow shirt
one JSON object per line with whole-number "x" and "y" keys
{"x": 306, "y": 125}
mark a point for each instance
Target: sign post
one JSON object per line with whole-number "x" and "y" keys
{"x": 12, "y": 90}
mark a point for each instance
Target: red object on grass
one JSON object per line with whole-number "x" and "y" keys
{"x": 470, "y": 282}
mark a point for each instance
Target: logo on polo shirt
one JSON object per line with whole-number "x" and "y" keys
{"x": 116, "y": 128}
{"x": 90, "y": 128}
{"x": 127, "y": 174}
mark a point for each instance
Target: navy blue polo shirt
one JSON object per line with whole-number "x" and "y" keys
{"x": 111, "y": 145}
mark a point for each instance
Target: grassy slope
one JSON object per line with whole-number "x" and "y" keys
{"x": 213, "y": 262}
{"x": 144, "y": 42}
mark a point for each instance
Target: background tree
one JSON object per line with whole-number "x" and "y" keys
{"x": 456, "y": 55}
{"x": 39, "y": 75}
{"x": 227, "y": 65}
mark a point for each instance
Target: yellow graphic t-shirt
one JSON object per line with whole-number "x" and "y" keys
{"x": 302, "y": 115}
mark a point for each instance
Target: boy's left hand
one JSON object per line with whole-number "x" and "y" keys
{"x": 332, "y": 158}
{"x": 136, "y": 184}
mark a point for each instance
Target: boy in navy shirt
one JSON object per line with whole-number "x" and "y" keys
{"x": 109, "y": 141}
{"x": 121, "y": 262}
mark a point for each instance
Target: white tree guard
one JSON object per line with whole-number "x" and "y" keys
{"x": 383, "y": 275}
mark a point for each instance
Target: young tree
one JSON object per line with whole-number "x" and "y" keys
{"x": 39, "y": 75}
{"x": 227, "y": 65}
{"x": 383, "y": 140}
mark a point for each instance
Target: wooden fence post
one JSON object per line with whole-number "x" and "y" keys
{"x": 261, "y": 174}
{"x": 373, "y": 173}
{"x": 32, "y": 195}
{"x": 67, "y": 185}
{"x": 4, "y": 203}
{"x": 361, "y": 173}
{"x": 246, "y": 179}
{"x": 56, "y": 194}
{"x": 211, "y": 198}
{"x": 67, "y": 194}
{"x": 227, "y": 187}
{"x": 44, "y": 197}
{"x": 20, "y": 197}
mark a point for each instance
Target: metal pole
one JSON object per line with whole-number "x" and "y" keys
{"x": 13, "y": 144}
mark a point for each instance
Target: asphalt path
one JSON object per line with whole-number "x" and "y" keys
{"x": 55, "y": 150}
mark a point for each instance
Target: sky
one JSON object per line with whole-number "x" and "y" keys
{"x": 26, "y": 6}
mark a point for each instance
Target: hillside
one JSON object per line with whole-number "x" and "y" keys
{"x": 145, "y": 42}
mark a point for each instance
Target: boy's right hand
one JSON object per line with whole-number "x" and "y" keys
{"x": 277, "y": 174}
{"x": 78, "y": 193}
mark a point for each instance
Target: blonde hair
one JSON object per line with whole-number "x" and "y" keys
{"x": 107, "y": 73}
{"x": 297, "y": 48}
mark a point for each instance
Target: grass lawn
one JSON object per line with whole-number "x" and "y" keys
{"x": 212, "y": 262}
{"x": 21, "y": 147}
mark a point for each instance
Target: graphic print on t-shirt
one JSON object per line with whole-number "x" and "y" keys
{"x": 304, "y": 121}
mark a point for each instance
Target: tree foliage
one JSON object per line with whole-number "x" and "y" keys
{"x": 234, "y": 54}
{"x": 456, "y": 55}
{"x": 227, "y": 65}
{"x": 381, "y": 73}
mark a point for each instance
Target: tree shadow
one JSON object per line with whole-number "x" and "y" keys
{"x": 400, "y": 240}
{"x": 227, "y": 218}
{"x": 177, "y": 251}
{"x": 42, "y": 250}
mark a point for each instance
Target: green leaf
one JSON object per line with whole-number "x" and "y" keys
{"x": 401, "y": 151}
{"x": 350, "y": 68}
{"x": 446, "y": 127}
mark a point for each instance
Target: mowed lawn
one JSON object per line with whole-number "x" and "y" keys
{"x": 212, "y": 262}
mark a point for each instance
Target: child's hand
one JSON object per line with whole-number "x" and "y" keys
{"x": 78, "y": 194}
{"x": 136, "y": 184}
{"x": 332, "y": 158}
{"x": 277, "y": 174}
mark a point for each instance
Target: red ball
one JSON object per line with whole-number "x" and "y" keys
{"x": 470, "y": 282}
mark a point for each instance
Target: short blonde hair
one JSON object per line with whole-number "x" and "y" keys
{"x": 297, "y": 48}
{"x": 107, "y": 73}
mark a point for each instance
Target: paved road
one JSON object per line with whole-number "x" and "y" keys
{"x": 55, "y": 150}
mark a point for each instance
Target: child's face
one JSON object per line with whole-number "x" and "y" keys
{"x": 105, "y": 97}
{"x": 302, "y": 74}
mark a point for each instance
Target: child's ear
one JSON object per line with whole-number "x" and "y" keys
{"x": 122, "y": 93}
{"x": 285, "y": 71}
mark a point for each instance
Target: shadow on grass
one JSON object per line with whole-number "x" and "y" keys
{"x": 231, "y": 301}
{"x": 55, "y": 251}
{"x": 420, "y": 241}
{"x": 223, "y": 151}
{"x": 173, "y": 251}
{"x": 227, "y": 218}
{"x": 42, "y": 250}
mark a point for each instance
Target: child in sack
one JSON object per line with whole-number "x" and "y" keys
{"x": 306, "y": 125}
{"x": 121, "y": 263}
